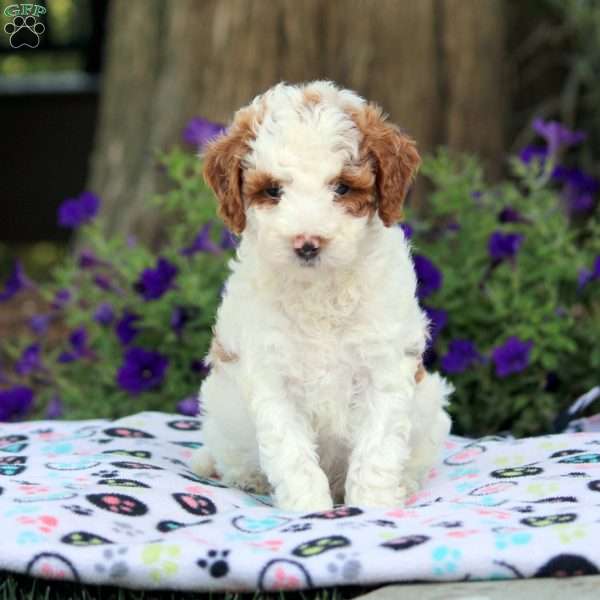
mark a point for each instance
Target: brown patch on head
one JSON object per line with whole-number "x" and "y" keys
{"x": 359, "y": 200}
{"x": 223, "y": 167}
{"x": 311, "y": 97}
{"x": 254, "y": 185}
{"x": 394, "y": 156}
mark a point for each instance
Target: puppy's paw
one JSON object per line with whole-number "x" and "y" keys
{"x": 376, "y": 498}
{"x": 306, "y": 502}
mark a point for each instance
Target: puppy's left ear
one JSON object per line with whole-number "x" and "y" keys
{"x": 395, "y": 159}
{"x": 223, "y": 168}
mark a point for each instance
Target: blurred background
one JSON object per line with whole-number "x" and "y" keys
{"x": 92, "y": 90}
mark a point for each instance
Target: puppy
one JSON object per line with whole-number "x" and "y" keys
{"x": 317, "y": 392}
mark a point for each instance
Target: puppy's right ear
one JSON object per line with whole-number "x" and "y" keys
{"x": 223, "y": 169}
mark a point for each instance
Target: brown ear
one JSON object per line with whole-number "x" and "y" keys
{"x": 395, "y": 158}
{"x": 223, "y": 169}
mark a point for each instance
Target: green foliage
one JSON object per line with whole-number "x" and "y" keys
{"x": 534, "y": 296}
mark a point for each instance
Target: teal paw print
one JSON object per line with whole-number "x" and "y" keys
{"x": 445, "y": 560}
{"x": 504, "y": 540}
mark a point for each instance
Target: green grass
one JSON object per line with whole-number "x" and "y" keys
{"x": 20, "y": 587}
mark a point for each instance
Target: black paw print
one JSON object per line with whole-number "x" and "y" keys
{"x": 106, "y": 473}
{"x": 217, "y": 567}
{"x": 79, "y": 510}
{"x": 24, "y": 32}
{"x": 297, "y": 527}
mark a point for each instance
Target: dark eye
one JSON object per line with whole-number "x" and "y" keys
{"x": 273, "y": 192}
{"x": 341, "y": 189}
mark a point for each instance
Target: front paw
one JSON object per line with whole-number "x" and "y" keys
{"x": 303, "y": 500}
{"x": 376, "y": 498}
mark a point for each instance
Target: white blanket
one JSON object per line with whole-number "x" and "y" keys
{"x": 115, "y": 503}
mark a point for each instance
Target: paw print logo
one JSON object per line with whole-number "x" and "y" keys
{"x": 215, "y": 563}
{"x": 24, "y": 32}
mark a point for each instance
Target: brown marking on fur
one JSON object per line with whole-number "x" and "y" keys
{"x": 223, "y": 167}
{"x": 254, "y": 185}
{"x": 394, "y": 155}
{"x": 311, "y": 97}
{"x": 218, "y": 354}
{"x": 421, "y": 372}
{"x": 359, "y": 200}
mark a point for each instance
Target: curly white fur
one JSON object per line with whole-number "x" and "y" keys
{"x": 312, "y": 394}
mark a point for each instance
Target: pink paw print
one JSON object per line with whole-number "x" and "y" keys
{"x": 44, "y": 524}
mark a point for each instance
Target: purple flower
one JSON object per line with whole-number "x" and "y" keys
{"x": 15, "y": 402}
{"x": 125, "y": 329}
{"x": 429, "y": 277}
{"x": 103, "y": 282}
{"x": 75, "y": 212}
{"x": 61, "y": 299}
{"x": 39, "y": 324}
{"x": 586, "y": 276}
{"x": 579, "y": 189}
{"x": 79, "y": 348}
{"x": 202, "y": 243}
{"x": 153, "y": 283}
{"x": 29, "y": 360}
{"x": 438, "y": 318}
{"x": 461, "y": 355}
{"x": 188, "y": 406}
{"x": 88, "y": 260}
{"x": 199, "y": 131}
{"x": 511, "y": 215}
{"x": 200, "y": 367}
{"x": 104, "y": 314}
{"x": 530, "y": 153}
{"x": 179, "y": 317}
{"x": 407, "y": 230}
{"x": 54, "y": 410}
{"x": 504, "y": 245}
{"x": 228, "y": 240}
{"x": 512, "y": 356}
{"x": 16, "y": 282}
{"x": 557, "y": 136}
{"x": 141, "y": 371}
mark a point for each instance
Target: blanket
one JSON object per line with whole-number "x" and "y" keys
{"x": 115, "y": 502}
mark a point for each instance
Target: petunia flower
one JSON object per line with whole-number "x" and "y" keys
{"x": 125, "y": 329}
{"x": 202, "y": 243}
{"x": 153, "y": 283}
{"x": 511, "y": 215}
{"x": 39, "y": 324}
{"x": 141, "y": 371}
{"x": 29, "y": 361}
{"x": 438, "y": 318}
{"x": 17, "y": 281}
{"x": 579, "y": 189}
{"x": 15, "y": 402}
{"x": 200, "y": 367}
{"x": 512, "y": 356}
{"x": 75, "y": 212}
{"x": 54, "y": 410}
{"x": 461, "y": 355}
{"x": 79, "y": 348}
{"x": 530, "y": 153}
{"x": 586, "y": 276}
{"x": 228, "y": 240}
{"x": 61, "y": 298}
{"x": 104, "y": 314}
{"x": 179, "y": 317}
{"x": 198, "y": 131}
{"x": 556, "y": 135}
{"x": 407, "y": 230}
{"x": 429, "y": 277}
{"x": 188, "y": 406}
{"x": 504, "y": 245}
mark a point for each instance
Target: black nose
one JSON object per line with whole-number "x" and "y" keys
{"x": 307, "y": 251}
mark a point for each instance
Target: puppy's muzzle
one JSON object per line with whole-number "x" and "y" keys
{"x": 307, "y": 247}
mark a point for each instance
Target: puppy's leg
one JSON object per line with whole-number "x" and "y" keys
{"x": 431, "y": 426}
{"x": 381, "y": 441}
{"x": 287, "y": 447}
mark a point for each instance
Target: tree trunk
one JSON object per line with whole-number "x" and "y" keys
{"x": 432, "y": 64}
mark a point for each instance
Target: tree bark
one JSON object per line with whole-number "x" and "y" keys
{"x": 432, "y": 64}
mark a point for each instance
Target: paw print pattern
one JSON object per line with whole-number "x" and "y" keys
{"x": 24, "y": 32}
{"x": 320, "y": 545}
{"x": 215, "y": 563}
{"x": 336, "y": 513}
{"x": 185, "y": 425}
{"x": 445, "y": 560}
{"x": 348, "y": 568}
{"x": 114, "y": 564}
{"x": 119, "y": 504}
{"x": 79, "y": 510}
{"x": 297, "y": 528}
{"x": 162, "y": 560}
{"x": 105, "y": 473}
{"x": 84, "y": 538}
{"x": 127, "y": 432}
